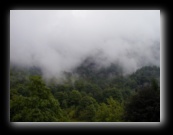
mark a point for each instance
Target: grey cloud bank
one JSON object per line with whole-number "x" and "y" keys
{"x": 60, "y": 40}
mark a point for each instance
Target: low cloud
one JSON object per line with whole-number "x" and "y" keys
{"x": 60, "y": 40}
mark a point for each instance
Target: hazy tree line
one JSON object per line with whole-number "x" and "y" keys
{"x": 102, "y": 95}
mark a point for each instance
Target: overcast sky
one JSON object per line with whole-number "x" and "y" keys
{"x": 59, "y": 40}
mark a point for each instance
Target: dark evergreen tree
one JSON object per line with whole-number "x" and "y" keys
{"x": 144, "y": 106}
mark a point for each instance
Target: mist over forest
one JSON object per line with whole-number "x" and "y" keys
{"x": 61, "y": 40}
{"x": 84, "y": 65}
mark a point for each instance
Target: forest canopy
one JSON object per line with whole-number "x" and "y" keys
{"x": 102, "y": 95}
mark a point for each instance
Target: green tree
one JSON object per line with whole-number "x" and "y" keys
{"x": 40, "y": 106}
{"x": 112, "y": 111}
{"x": 62, "y": 97}
{"x": 87, "y": 109}
{"x": 112, "y": 92}
{"x": 74, "y": 98}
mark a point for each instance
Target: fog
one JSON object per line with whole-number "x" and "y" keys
{"x": 59, "y": 40}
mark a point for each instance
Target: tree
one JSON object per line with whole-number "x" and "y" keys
{"x": 144, "y": 106}
{"x": 40, "y": 106}
{"x": 87, "y": 109}
{"x": 62, "y": 97}
{"x": 112, "y": 111}
{"x": 74, "y": 98}
{"x": 112, "y": 92}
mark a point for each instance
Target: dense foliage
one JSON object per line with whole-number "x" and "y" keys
{"x": 95, "y": 94}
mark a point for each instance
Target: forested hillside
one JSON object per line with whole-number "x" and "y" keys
{"x": 85, "y": 65}
{"x": 88, "y": 94}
